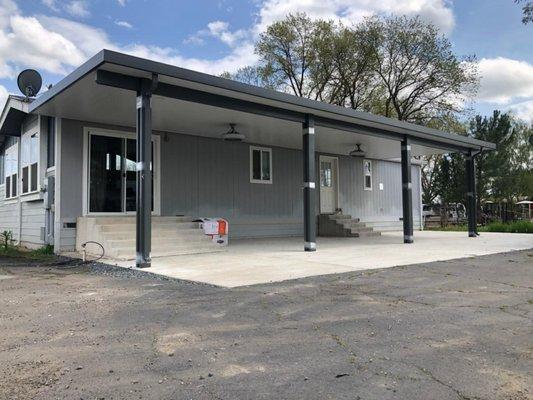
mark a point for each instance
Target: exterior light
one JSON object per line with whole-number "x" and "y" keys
{"x": 357, "y": 152}
{"x": 232, "y": 135}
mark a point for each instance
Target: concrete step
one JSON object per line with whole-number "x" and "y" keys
{"x": 361, "y": 229}
{"x": 161, "y": 241}
{"x": 339, "y": 216}
{"x": 132, "y": 219}
{"x": 123, "y": 226}
{"x": 177, "y": 234}
{"x": 183, "y": 227}
{"x": 365, "y": 234}
{"x": 128, "y": 253}
{"x": 350, "y": 223}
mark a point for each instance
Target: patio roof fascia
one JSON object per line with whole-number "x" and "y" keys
{"x": 332, "y": 116}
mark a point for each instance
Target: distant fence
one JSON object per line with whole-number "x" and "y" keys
{"x": 440, "y": 216}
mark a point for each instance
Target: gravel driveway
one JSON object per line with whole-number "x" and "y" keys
{"x": 459, "y": 329}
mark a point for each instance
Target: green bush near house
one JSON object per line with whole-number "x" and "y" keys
{"x": 505, "y": 227}
{"x": 47, "y": 249}
{"x": 510, "y": 227}
{"x": 44, "y": 253}
{"x": 6, "y": 240}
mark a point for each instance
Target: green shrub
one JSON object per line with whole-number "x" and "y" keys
{"x": 510, "y": 227}
{"x": 6, "y": 239}
{"x": 45, "y": 250}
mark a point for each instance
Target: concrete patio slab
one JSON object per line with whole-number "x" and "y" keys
{"x": 256, "y": 261}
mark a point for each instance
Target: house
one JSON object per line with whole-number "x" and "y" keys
{"x": 122, "y": 133}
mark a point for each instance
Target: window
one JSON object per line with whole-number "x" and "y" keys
{"x": 260, "y": 165}
{"x": 29, "y": 154}
{"x": 51, "y": 143}
{"x": 367, "y": 174}
{"x": 326, "y": 169}
{"x": 11, "y": 171}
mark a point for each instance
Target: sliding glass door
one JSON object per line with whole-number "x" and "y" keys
{"x": 112, "y": 174}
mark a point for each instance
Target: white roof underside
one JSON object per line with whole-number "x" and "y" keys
{"x": 85, "y": 100}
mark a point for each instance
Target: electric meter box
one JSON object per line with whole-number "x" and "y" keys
{"x": 217, "y": 229}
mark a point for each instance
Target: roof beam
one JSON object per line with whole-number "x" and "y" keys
{"x": 127, "y": 82}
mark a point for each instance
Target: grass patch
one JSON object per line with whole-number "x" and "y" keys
{"x": 509, "y": 227}
{"x": 449, "y": 228}
{"x": 45, "y": 253}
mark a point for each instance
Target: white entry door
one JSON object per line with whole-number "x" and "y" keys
{"x": 328, "y": 184}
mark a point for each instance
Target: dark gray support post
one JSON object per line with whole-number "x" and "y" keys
{"x": 309, "y": 183}
{"x": 407, "y": 191}
{"x": 144, "y": 175}
{"x": 471, "y": 194}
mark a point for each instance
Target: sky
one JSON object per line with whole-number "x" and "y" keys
{"x": 56, "y": 36}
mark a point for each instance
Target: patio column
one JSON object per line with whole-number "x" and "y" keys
{"x": 309, "y": 183}
{"x": 471, "y": 194}
{"x": 144, "y": 176}
{"x": 407, "y": 191}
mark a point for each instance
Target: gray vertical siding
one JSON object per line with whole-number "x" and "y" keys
{"x": 207, "y": 177}
{"x": 211, "y": 178}
{"x": 380, "y": 208}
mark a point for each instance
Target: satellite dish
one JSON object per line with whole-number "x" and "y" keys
{"x": 29, "y": 82}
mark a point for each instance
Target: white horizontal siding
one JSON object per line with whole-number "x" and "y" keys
{"x": 9, "y": 212}
{"x": 33, "y": 221}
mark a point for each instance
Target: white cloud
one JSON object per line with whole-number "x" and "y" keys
{"x": 523, "y": 110}
{"x": 7, "y": 9}
{"x": 51, "y": 4}
{"x": 220, "y": 30}
{"x": 124, "y": 24}
{"x": 78, "y": 8}
{"x": 503, "y": 80}
{"x": 65, "y": 44}
{"x": 3, "y": 96}
{"x": 437, "y": 12}
{"x": 19, "y": 47}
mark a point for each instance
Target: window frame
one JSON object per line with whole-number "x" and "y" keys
{"x": 365, "y": 174}
{"x": 261, "y": 151}
{"x": 27, "y": 138}
{"x": 13, "y": 183}
{"x": 51, "y": 143}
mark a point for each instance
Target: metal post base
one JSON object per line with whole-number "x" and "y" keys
{"x": 146, "y": 264}
{"x": 310, "y": 246}
{"x": 408, "y": 239}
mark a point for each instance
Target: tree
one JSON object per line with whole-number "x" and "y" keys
{"x": 443, "y": 175}
{"x": 297, "y": 51}
{"x": 493, "y": 167}
{"x": 527, "y": 10}
{"x": 254, "y": 75}
{"x": 354, "y": 63}
{"x": 421, "y": 75}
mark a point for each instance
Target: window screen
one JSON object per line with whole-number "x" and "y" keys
{"x": 367, "y": 174}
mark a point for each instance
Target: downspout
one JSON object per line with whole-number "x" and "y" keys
{"x": 19, "y": 179}
{"x": 421, "y": 211}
